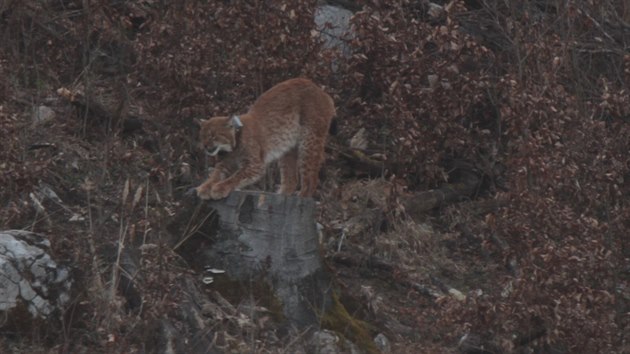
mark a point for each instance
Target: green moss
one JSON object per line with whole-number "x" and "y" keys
{"x": 338, "y": 319}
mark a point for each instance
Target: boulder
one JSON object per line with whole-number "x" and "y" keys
{"x": 329, "y": 342}
{"x": 30, "y": 276}
{"x": 333, "y": 24}
{"x": 43, "y": 114}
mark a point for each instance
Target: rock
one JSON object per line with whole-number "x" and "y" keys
{"x": 382, "y": 343}
{"x": 43, "y": 114}
{"x": 327, "y": 342}
{"x": 359, "y": 140}
{"x": 333, "y": 24}
{"x": 435, "y": 10}
{"x": 473, "y": 343}
{"x": 30, "y": 276}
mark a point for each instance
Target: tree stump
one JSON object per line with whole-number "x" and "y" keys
{"x": 273, "y": 238}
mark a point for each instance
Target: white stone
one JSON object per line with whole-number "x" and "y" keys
{"x": 339, "y": 31}
{"x": 42, "y": 114}
{"x": 382, "y": 343}
{"x": 29, "y": 274}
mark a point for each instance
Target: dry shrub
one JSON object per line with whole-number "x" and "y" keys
{"x": 217, "y": 58}
{"x": 415, "y": 87}
{"x": 527, "y": 86}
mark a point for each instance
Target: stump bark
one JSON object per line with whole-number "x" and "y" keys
{"x": 273, "y": 238}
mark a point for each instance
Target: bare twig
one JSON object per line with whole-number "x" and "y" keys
{"x": 191, "y": 230}
{"x": 597, "y": 24}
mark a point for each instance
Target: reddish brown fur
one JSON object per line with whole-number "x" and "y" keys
{"x": 288, "y": 123}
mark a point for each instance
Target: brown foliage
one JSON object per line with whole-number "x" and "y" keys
{"x": 525, "y": 87}
{"x": 222, "y": 55}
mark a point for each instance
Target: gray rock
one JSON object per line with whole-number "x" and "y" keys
{"x": 382, "y": 343}
{"x": 42, "y": 114}
{"x": 30, "y": 276}
{"x": 333, "y": 24}
{"x": 328, "y": 342}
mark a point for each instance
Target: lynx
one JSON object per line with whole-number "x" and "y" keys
{"x": 288, "y": 123}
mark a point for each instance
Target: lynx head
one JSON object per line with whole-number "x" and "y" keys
{"x": 219, "y": 134}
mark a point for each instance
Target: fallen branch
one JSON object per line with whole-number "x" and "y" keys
{"x": 387, "y": 271}
{"x": 421, "y": 202}
{"x": 371, "y": 262}
{"x": 359, "y": 161}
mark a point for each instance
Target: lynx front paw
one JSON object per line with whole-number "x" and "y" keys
{"x": 219, "y": 191}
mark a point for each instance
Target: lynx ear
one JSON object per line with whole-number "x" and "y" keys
{"x": 235, "y": 121}
{"x": 197, "y": 122}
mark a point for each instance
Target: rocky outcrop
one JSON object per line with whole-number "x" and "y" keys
{"x": 30, "y": 278}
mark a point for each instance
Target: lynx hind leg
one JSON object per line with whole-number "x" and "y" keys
{"x": 311, "y": 157}
{"x": 288, "y": 172}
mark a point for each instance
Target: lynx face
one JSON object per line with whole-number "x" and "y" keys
{"x": 217, "y": 134}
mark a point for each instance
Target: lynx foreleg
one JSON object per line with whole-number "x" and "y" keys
{"x": 246, "y": 175}
{"x": 219, "y": 172}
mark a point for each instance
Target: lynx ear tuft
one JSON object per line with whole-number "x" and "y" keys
{"x": 235, "y": 121}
